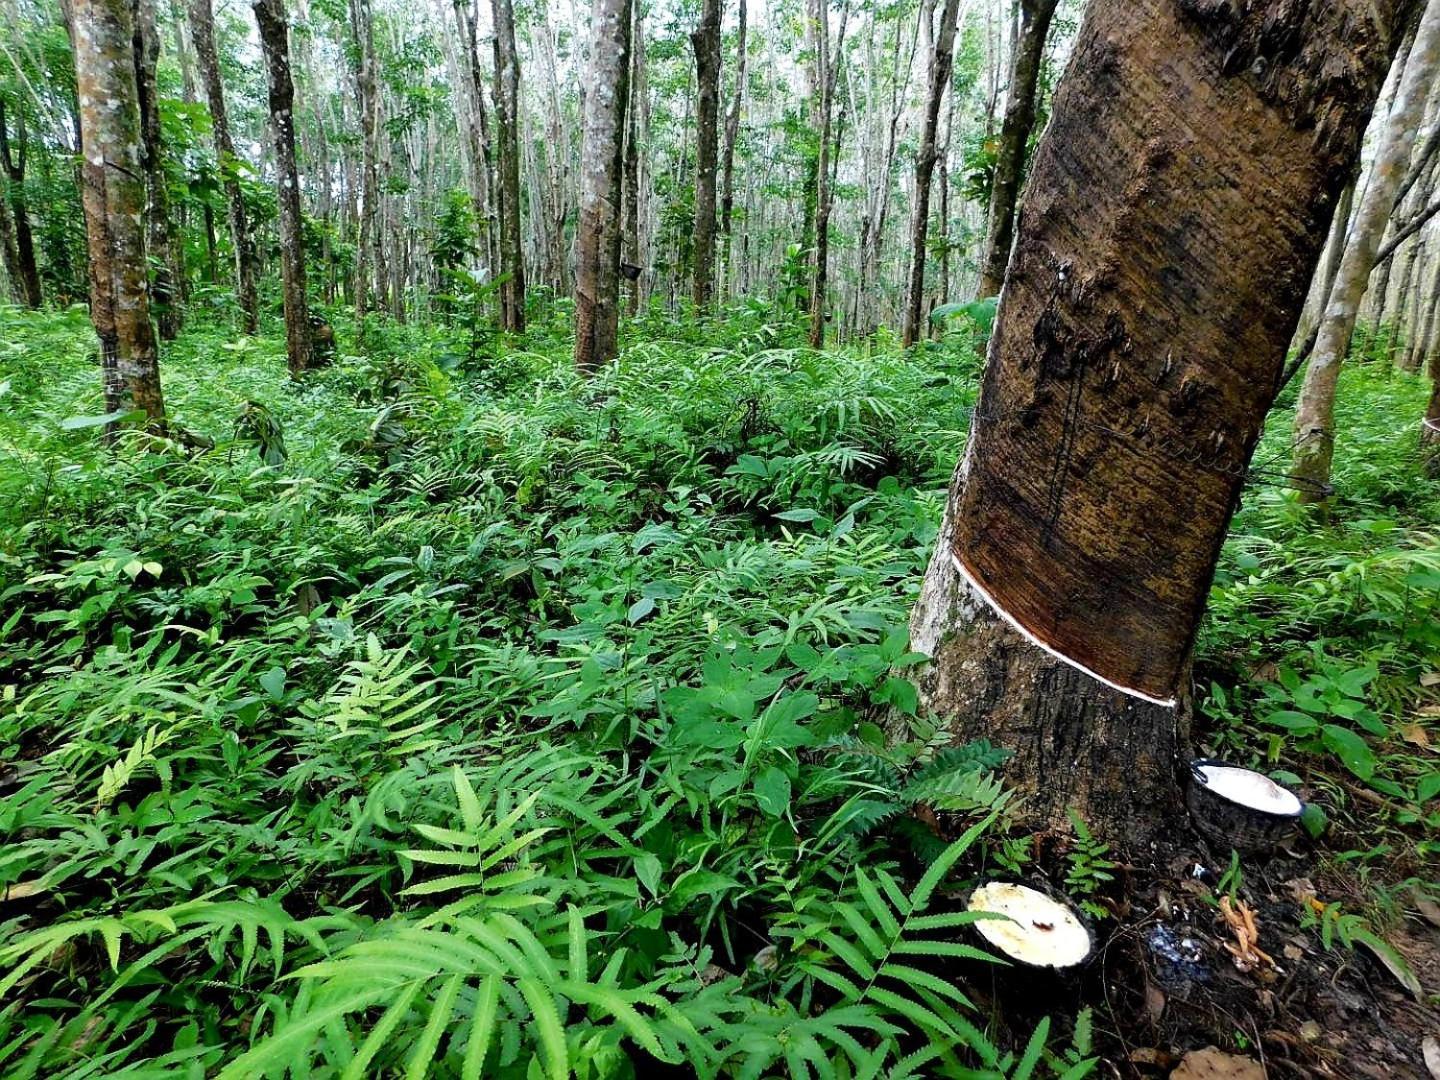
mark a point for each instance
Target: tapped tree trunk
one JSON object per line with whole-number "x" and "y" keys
{"x": 507, "y": 121}
{"x": 1015, "y": 131}
{"x": 164, "y": 238}
{"x": 104, "y": 34}
{"x": 940, "y": 64}
{"x": 597, "y": 255}
{"x": 274, "y": 42}
{"x": 727, "y": 158}
{"x": 1133, "y": 358}
{"x": 706, "y": 43}
{"x": 24, "y": 238}
{"x": 202, "y": 33}
{"x": 1314, "y": 448}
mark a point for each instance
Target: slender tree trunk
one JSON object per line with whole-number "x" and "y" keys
{"x": 274, "y": 41}
{"x": 367, "y": 264}
{"x": 941, "y": 62}
{"x": 1133, "y": 359}
{"x": 14, "y": 164}
{"x": 1315, "y": 410}
{"x": 826, "y": 67}
{"x": 9, "y": 253}
{"x": 706, "y": 43}
{"x": 164, "y": 237}
{"x": 597, "y": 262}
{"x": 727, "y": 157}
{"x": 507, "y": 121}
{"x": 104, "y": 35}
{"x": 1014, "y": 137}
{"x": 202, "y": 34}
{"x": 631, "y": 181}
{"x": 1325, "y": 273}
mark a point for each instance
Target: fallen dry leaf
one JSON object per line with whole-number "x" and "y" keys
{"x": 1415, "y": 735}
{"x": 1431, "y": 1047}
{"x": 1428, "y": 710}
{"x": 22, "y": 889}
{"x": 1429, "y": 910}
{"x": 1214, "y": 1064}
{"x": 1392, "y": 962}
{"x": 1430, "y": 678}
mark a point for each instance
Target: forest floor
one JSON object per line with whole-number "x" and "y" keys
{"x": 452, "y": 714}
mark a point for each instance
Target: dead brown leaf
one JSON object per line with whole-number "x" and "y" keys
{"x": 1415, "y": 734}
{"x": 1431, "y": 1047}
{"x": 1214, "y": 1064}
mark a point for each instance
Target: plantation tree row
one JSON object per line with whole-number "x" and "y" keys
{"x": 417, "y": 163}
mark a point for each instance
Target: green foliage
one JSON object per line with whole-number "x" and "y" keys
{"x": 489, "y": 723}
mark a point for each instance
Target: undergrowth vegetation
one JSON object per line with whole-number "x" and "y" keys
{"x": 454, "y": 715}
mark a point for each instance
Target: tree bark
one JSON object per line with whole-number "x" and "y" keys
{"x": 1137, "y": 347}
{"x": 202, "y": 35}
{"x": 104, "y": 34}
{"x": 507, "y": 122}
{"x": 9, "y": 253}
{"x": 14, "y": 163}
{"x": 941, "y": 62}
{"x": 1315, "y": 411}
{"x": 369, "y": 260}
{"x": 727, "y": 157}
{"x": 1014, "y": 137}
{"x": 164, "y": 237}
{"x": 597, "y": 257}
{"x": 274, "y": 42}
{"x": 825, "y": 69}
{"x": 706, "y": 43}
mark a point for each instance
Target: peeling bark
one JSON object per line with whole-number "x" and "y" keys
{"x": 1173, "y": 219}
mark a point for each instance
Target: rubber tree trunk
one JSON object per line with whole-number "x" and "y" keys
{"x": 14, "y": 164}
{"x": 1035, "y": 16}
{"x": 507, "y": 124}
{"x": 202, "y": 35}
{"x": 1430, "y": 425}
{"x": 274, "y": 42}
{"x": 706, "y": 42}
{"x": 112, "y": 145}
{"x": 1314, "y": 447}
{"x": 941, "y": 63}
{"x": 164, "y": 237}
{"x": 1135, "y": 353}
{"x": 9, "y": 253}
{"x": 597, "y": 249}
{"x": 369, "y": 262}
{"x": 1325, "y": 273}
{"x": 727, "y": 157}
{"x": 825, "y": 68}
